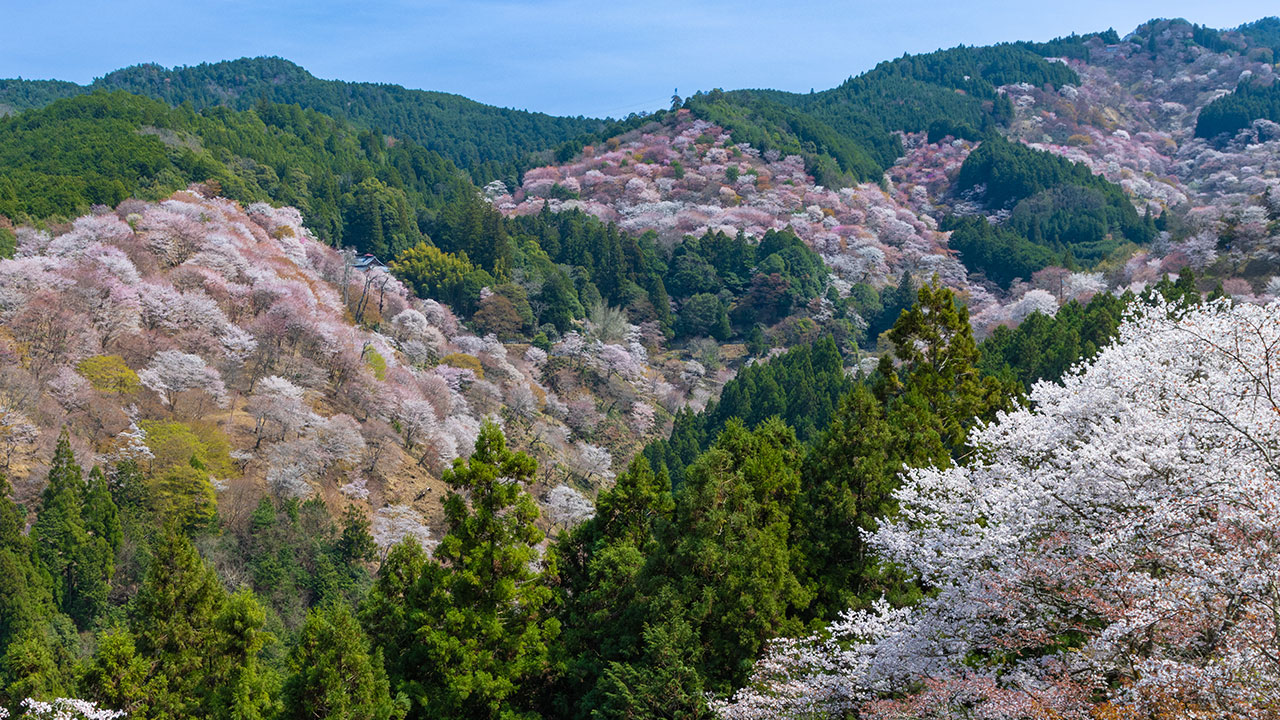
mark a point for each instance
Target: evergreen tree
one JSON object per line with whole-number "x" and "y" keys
{"x": 334, "y": 673}
{"x": 79, "y": 561}
{"x": 726, "y": 554}
{"x": 241, "y": 689}
{"x": 473, "y": 629}
{"x": 850, "y": 475}
{"x": 934, "y": 342}
{"x": 598, "y": 562}
{"x": 200, "y": 647}
{"x": 34, "y": 635}
{"x": 664, "y": 681}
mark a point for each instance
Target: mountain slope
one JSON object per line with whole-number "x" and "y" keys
{"x": 476, "y": 137}
{"x": 353, "y": 187}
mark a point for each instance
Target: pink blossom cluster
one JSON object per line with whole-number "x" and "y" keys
{"x": 239, "y": 315}
{"x": 686, "y": 177}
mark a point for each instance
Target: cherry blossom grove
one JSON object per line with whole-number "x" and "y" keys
{"x": 196, "y": 311}
{"x": 1111, "y": 551}
{"x": 687, "y": 178}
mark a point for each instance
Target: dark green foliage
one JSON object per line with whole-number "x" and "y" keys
{"x": 17, "y": 94}
{"x": 845, "y": 134}
{"x": 298, "y": 558}
{"x": 1232, "y": 113}
{"x": 803, "y": 387}
{"x": 191, "y": 649}
{"x": 703, "y": 315}
{"x": 850, "y": 474}
{"x": 1071, "y": 46}
{"x": 34, "y": 635}
{"x": 76, "y": 534}
{"x": 1264, "y": 33}
{"x": 334, "y": 673}
{"x": 351, "y": 186}
{"x": 1057, "y": 205}
{"x": 881, "y": 310}
{"x": 664, "y": 679}
{"x": 834, "y": 158}
{"x": 1044, "y": 348}
{"x": 575, "y": 258}
{"x": 598, "y": 562}
{"x": 472, "y": 135}
{"x": 464, "y": 631}
{"x": 997, "y": 251}
{"x": 725, "y": 555}
{"x": 933, "y": 342}
{"x": 915, "y": 413}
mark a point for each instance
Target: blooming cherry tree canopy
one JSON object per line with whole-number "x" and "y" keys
{"x": 1117, "y": 540}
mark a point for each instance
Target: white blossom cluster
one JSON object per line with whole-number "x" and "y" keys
{"x": 1130, "y": 519}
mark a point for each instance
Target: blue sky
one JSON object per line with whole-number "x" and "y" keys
{"x": 560, "y": 56}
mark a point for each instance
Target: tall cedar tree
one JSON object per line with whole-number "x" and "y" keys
{"x": 34, "y": 635}
{"x": 465, "y": 632}
{"x": 725, "y": 557}
{"x": 934, "y": 343}
{"x": 77, "y": 551}
{"x": 598, "y": 562}
{"x": 335, "y": 674}
{"x": 192, "y": 650}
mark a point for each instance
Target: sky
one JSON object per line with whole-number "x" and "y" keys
{"x": 565, "y": 57}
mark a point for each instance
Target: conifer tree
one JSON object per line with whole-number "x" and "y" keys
{"x": 25, "y": 592}
{"x": 934, "y": 342}
{"x": 200, "y": 647}
{"x": 334, "y": 673}
{"x": 34, "y": 635}
{"x": 726, "y": 553}
{"x": 79, "y": 560}
{"x": 473, "y": 627}
{"x": 598, "y": 563}
{"x": 664, "y": 681}
{"x": 850, "y": 475}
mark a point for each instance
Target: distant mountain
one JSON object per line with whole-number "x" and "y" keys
{"x": 483, "y": 139}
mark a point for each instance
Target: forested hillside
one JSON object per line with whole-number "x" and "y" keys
{"x": 944, "y": 392}
{"x": 487, "y": 141}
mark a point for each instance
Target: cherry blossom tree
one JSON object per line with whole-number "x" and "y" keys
{"x": 642, "y": 417}
{"x": 417, "y": 419}
{"x": 394, "y": 523}
{"x": 63, "y": 709}
{"x": 17, "y": 435}
{"x": 591, "y": 461}
{"x": 567, "y": 507}
{"x": 1112, "y": 550}
{"x": 172, "y": 372}
{"x": 339, "y": 440}
{"x": 278, "y": 402}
